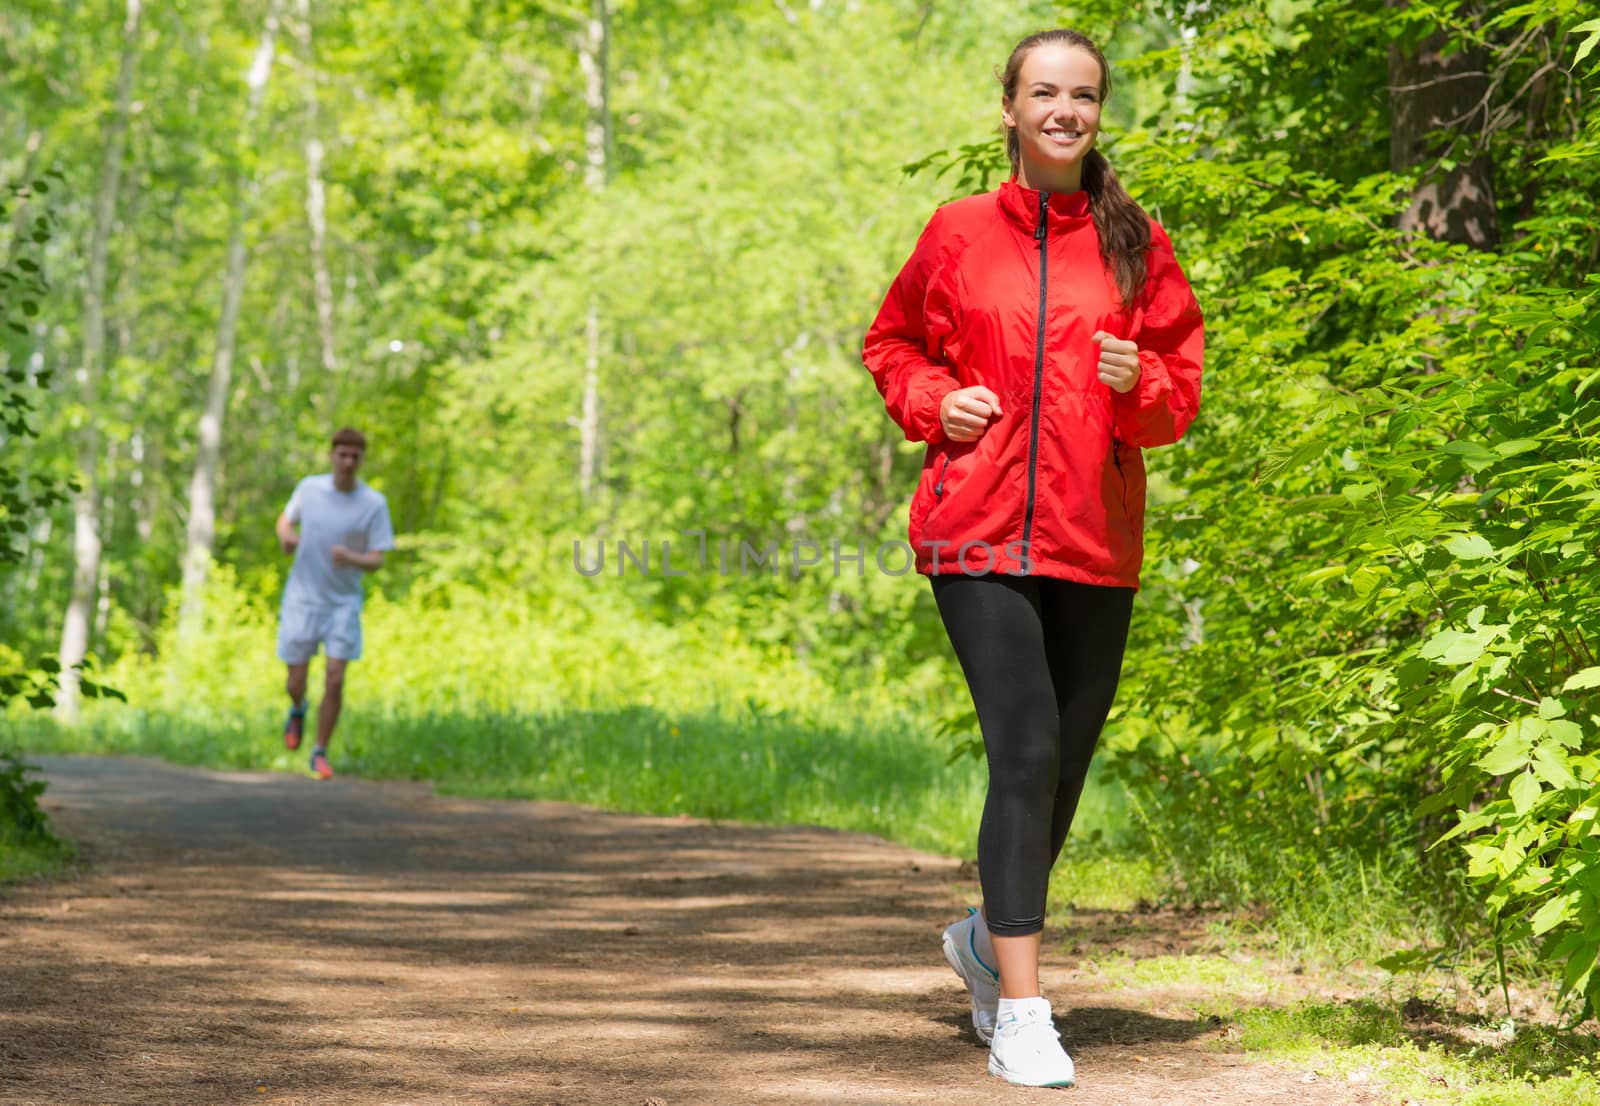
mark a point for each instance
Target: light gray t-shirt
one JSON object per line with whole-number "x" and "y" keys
{"x": 357, "y": 520}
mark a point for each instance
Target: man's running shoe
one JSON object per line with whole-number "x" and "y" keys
{"x": 983, "y": 982}
{"x": 320, "y": 766}
{"x": 295, "y": 728}
{"x": 1027, "y": 1049}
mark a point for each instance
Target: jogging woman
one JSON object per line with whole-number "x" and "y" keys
{"x": 1040, "y": 336}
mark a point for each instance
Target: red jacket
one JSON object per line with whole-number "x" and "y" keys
{"x": 1055, "y": 486}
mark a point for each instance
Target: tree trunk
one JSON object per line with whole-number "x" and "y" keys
{"x": 1438, "y": 99}
{"x": 144, "y": 521}
{"x": 108, "y": 531}
{"x": 86, "y": 503}
{"x": 594, "y": 45}
{"x": 201, "y": 539}
{"x": 316, "y": 198}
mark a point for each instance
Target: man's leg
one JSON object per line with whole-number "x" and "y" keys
{"x": 343, "y": 629}
{"x": 294, "y": 727}
{"x": 297, "y": 644}
{"x": 328, "y": 717}
{"x": 332, "y": 701}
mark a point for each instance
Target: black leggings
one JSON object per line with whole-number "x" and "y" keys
{"x": 1041, "y": 658}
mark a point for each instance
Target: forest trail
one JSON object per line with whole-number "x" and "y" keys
{"x": 265, "y": 938}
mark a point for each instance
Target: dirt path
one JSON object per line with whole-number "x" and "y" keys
{"x": 269, "y": 939}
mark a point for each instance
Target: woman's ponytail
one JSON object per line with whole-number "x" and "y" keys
{"x": 1122, "y": 225}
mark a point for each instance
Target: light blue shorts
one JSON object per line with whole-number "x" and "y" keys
{"x": 302, "y": 629}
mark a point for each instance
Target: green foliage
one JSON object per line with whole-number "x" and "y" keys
{"x": 21, "y": 820}
{"x": 1375, "y": 593}
{"x": 28, "y": 847}
{"x": 23, "y": 289}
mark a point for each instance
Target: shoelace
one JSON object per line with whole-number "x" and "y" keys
{"x": 1016, "y": 1027}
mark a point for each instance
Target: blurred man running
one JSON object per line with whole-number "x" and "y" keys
{"x": 338, "y": 529}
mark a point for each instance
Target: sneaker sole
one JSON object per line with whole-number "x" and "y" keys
{"x": 953, "y": 958}
{"x": 997, "y": 1068}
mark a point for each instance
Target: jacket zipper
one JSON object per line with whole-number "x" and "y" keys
{"x": 938, "y": 487}
{"x": 1039, "y": 235}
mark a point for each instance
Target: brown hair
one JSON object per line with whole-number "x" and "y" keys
{"x": 351, "y": 437}
{"x": 1122, "y": 224}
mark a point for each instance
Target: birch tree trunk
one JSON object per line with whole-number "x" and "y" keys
{"x": 108, "y": 531}
{"x": 316, "y": 196}
{"x": 594, "y": 44}
{"x": 86, "y": 503}
{"x": 202, "y": 530}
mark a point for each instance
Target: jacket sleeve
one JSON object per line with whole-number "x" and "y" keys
{"x": 1171, "y": 341}
{"x": 904, "y": 348}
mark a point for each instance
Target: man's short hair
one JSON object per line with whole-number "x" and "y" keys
{"x": 351, "y": 437}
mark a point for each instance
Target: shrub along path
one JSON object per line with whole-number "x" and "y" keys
{"x": 264, "y": 938}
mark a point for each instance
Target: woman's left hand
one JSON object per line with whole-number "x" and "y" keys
{"x": 1119, "y": 362}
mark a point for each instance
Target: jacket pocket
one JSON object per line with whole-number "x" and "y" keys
{"x": 1122, "y": 475}
{"x": 938, "y": 484}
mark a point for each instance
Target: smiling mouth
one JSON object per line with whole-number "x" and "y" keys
{"x": 1062, "y": 137}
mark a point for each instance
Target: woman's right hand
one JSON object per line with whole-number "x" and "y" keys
{"x": 965, "y": 413}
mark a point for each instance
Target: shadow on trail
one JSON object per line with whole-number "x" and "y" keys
{"x": 274, "y": 939}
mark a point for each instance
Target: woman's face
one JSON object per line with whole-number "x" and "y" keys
{"x": 1055, "y": 112}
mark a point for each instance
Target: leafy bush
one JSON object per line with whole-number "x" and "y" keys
{"x": 21, "y": 820}
{"x": 22, "y": 286}
{"x": 1376, "y": 593}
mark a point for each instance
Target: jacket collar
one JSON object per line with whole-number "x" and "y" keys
{"x": 1021, "y": 206}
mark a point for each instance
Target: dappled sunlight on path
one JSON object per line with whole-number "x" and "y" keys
{"x": 271, "y": 939}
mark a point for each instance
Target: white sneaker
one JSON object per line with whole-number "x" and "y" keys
{"x": 1027, "y": 1049}
{"x": 983, "y": 982}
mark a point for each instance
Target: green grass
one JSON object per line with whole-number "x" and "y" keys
{"x": 882, "y": 777}
{"x": 1250, "y": 977}
{"x": 1439, "y": 1059}
{"x": 1102, "y": 871}
{"x": 32, "y": 859}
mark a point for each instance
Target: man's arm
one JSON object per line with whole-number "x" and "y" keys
{"x": 288, "y": 536}
{"x": 367, "y": 562}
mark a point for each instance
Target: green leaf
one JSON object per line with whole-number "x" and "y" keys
{"x": 1588, "y": 44}
{"x": 1469, "y": 547}
{"x": 1589, "y": 677}
{"x": 1506, "y": 757}
{"x": 1566, "y": 732}
{"x": 1519, "y": 445}
{"x": 1551, "y": 708}
{"x": 1363, "y": 580}
{"x": 1525, "y": 792}
{"x": 1551, "y": 767}
{"x": 1475, "y": 455}
{"x": 1554, "y": 912}
{"x": 1459, "y": 647}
